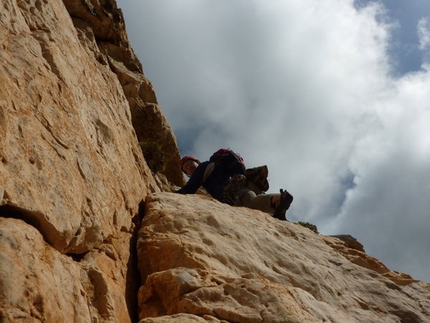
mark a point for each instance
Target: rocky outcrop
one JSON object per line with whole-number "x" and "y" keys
{"x": 85, "y": 154}
{"x": 103, "y": 24}
{"x": 70, "y": 159}
{"x": 101, "y": 27}
{"x": 216, "y": 263}
{"x": 71, "y": 166}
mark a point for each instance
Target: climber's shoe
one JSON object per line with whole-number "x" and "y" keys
{"x": 284, "y": 204}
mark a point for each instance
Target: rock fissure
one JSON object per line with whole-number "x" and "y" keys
{"x": 35, "y": 219}
{"x": 41, "y": 37}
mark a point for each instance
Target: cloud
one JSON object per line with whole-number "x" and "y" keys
{"x": 423, "y": 29}
{"x": 307, "y": 88}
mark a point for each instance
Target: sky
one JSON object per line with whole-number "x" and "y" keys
{"x": 333, "y": 96}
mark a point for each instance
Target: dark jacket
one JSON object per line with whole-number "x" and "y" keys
{"x": 213, "y": 181}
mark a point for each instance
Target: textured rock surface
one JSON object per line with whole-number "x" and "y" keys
{"x": 83, "y": 147}
{"x": 70, "y": 161}
{"x": 38, "y": 284}
{"x": 202, "y": 257}
{"x": 69, "y": 155}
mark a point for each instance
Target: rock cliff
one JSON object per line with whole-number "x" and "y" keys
{"x": 86, "y": 153}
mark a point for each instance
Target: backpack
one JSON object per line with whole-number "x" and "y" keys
{"x": 258, "y": 177}
{"x": 232, "y": 162}
{"x": 232, "y": 187}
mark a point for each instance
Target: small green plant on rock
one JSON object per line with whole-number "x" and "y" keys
{"x": 154, "y": 155}
{"x": 310, "y": 226}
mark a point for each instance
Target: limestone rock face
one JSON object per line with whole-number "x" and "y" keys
{"x": 71, "y": 166}
{"x": 69, "y": 155}
{"x": 38, "y": 284}
{"x": 223, "y": 264}
{"x": 105, "y": 23}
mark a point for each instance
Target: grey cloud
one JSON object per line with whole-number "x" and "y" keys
{"x": 306, "y": 88}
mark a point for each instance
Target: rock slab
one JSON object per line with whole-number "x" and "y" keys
{"x": 219, "y": 263}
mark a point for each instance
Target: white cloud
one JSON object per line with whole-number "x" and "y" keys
{"x": 306, "y": 88}
{"x": 423, "y": 30}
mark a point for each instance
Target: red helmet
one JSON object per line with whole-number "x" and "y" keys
{"x": 187, "y": 158}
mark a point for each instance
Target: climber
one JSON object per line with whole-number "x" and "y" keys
{"x": 218, "y": 183}
{"x": 211, "y": 176}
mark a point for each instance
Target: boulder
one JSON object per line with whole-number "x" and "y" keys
{"x": 204, "y": 258}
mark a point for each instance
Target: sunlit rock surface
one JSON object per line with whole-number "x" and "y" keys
{"x": 201, "y": 257}
{"x": 71, "y": 163}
